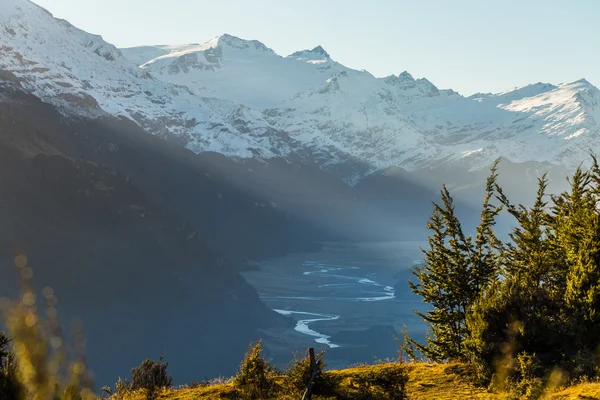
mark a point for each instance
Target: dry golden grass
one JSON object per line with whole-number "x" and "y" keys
{"x": 221, "y": 391}
{"x": 581, "y": 391}
{"x": 427, "y": 381}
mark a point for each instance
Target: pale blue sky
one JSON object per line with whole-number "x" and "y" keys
{"x": 466, "y": 45}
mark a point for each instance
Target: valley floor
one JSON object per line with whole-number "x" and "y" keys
{"x": 350, "y": 291}
{"x": 427, "y": 381}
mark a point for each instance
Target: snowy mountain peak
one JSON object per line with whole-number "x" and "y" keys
{"x": 411, "y": 86}
{"x": 203, "y": 56}
{"x": 317, "y": 51}
{"x": 82, "y": 75}
{"x": 214, "y": 68}
{"x": 317, "y": 55}
{"x": 515, "y": 94}
{"x": 581, "y": 84}
{"x": 240, "y": 98}
{"x": 320, "y": 50}
{"x": 405, "y": 76}
{"x": 526, "y": 94}
{"x": 526, "y": 91}
{"x": 238, "y": 43}
{"x": 16, "y": 15}
{"x": 404, "y": 79}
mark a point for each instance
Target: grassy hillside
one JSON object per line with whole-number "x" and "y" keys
{"x": 427, "y": 381}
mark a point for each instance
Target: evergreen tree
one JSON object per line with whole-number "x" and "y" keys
{"x": 521, "y": 308}
{"x": 530, "y": 256}
{"x": 455, "y": 270}
{"x": 438, "y": 285}
{"x": 485, "y": 258}
{"x": 576, "y": 223}
{"x": 520, "y": 315}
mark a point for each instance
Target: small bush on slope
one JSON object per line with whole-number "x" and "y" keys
{"x": 150, "y": 379}
{"x": 298, "y": 375}
{"x": 255, "y": 378}
{"x": 151, "y": 376}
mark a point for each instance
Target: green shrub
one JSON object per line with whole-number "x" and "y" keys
{"x": 298, "y": 374}
{"x": 528, "y": 382}
{"x": 152, "y": 377}
{"x": 121, "y": 390}
{"x": 255, "y": 378}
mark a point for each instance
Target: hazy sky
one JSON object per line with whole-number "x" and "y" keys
{"x": 466, "y": 45}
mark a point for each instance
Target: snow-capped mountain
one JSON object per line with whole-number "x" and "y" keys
{"x": 240, "y": 98}
{"x": 213, "y": 69}
{"x": 83, "y": 75}
{"x": 342, "y": 113}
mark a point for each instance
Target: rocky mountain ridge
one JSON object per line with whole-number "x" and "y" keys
{"x": 239, "y": 98}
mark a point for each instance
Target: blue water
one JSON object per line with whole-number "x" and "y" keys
{"x": 350, "y": 285}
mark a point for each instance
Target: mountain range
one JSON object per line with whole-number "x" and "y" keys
{"x": 171, "y": 167}
{"x": 239, "y": 98}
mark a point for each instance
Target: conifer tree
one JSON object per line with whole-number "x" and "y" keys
{"x": 455, "y": 270}
{"x": 437, "y": 286}
{"x": 576, "y": 223}
{"x": 521, "y": 310}
{"x": 529, "y": 255}
{"x": 517, "y": 309}
{"x": 485, "y": 258}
